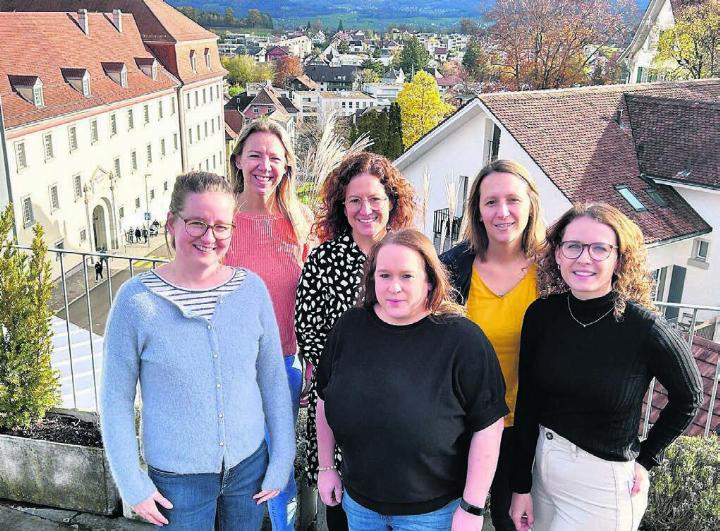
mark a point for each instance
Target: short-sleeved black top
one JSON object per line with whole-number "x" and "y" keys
{"x": 403, "y": 403}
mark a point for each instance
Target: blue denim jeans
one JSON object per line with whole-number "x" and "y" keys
{"x": 203, "y": 502}
{"x": 283, "y": 508}
{"x": 361, "y": 518}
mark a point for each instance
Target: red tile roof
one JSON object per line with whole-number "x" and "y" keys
{"x": 42, "y": 44}
{"x": 157, "y": 20}
{"x": 234, "y": 122}
{"x": 707, "y": 356}
{"x": 585, "y": 146}
{"x": 672, "y": 137}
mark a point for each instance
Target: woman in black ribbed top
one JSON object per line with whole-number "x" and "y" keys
{"x": 588, "y": 353}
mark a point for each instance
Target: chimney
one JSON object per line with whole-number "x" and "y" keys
{"x": 618, "y": 116}
{"x": 117, "y": 19}
{"x": 83, "y": 21}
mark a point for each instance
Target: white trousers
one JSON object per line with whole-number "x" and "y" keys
{"x": 576, "y": 491}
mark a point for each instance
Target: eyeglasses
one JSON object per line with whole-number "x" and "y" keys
{"x": 197, "y": 228}
{"x": 598, "y": 251}
{"x": 355, "y": 203}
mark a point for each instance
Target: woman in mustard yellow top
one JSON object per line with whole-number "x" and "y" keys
{"x": 494, "y": 272}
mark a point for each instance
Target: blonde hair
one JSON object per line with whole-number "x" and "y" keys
{"x": 194, "y": 182}
{"x": 632, "y": 281}
{"x": 440, "y": 300}
{"x": 474, "y": 229}
{"x": 285, "y": 193}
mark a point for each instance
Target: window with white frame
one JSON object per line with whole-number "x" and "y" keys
{"x": 133, "y": 160}
{"x": 152, "y": 194}
{"x": 113, "y": 124}
{"x": 148, "y": 151}
{"x": 204, "y": 96}
{"x": 175, "y": 141}
{"x": 86, "y": 86}
{"x": 208, "y": 60}
{"x": 72, "y": 138}
{"x": 212, "y": 126}
{"x": 165, "y": 186}
{"x": 48, "y": 146}
{"x": 217, "y": 92}
{"x": 38, "y": 95}
{"x": 198, "y": 131}
{"x": 93, "y": 131}
{"x": 214, "y": 162}
{"x": 173, "y": 105}
{"x": 116, "y": 166}
{"x": 190, "y": 135}
{"x": 160, "y": 109}
{"x": 197, "y": 98}
{"x": 121, "y": 212}
{"x": 131, "y": 119}
{"x": 54, "y": 198}
{"x": 83, "y": 235}
{"x": 123, "y": 78}
{"x": 206, "y": 129}
{"x": 218, "y": 123}
{"x": 77, "y": 186}
{"x": 187, "y": 100}
{"x": 193, "y": 61}
{"x": 630, "y": 197}
{"x": 20, "y": 155}
{"x": 27, "y": 211}
{"x": 256, "y": 110}
{"x": 137, "y": 202}
{"x": 701, "y": 250}
{"x": 146, "y": 114}
{"x": 162, "y": 147}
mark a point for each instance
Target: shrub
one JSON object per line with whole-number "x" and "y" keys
{"x": 685, "y": 488}
{"x": 28, "y": 385}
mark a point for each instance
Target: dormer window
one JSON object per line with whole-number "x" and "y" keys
{"x": 29, "y": 88}
{"x": 631, "y": 198}
{"x": 208, "y": 60}
{"x": 117, "y": 72}
{"x": 148, "y": 66}
{"x": 193, "y": 61}
{"x": 79, "y": 79}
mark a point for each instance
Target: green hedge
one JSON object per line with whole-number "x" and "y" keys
{"x": 685, "y": 488}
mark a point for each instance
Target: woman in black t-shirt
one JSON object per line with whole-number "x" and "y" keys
{"x": 588, "y": 352}
{"x": 413, "y": 394}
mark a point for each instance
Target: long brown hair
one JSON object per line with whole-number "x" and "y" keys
{"x": 632, "y": 281}
{"x": 440, "y": 301}
{"x": 474, "y": 229}
{"x": 331, "y": 219}
{"x": 285, "y": 193}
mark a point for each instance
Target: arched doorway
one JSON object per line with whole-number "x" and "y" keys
{"x": 99, "y": 226}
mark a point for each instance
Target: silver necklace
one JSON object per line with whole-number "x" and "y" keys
{"x": 585, "y": 325}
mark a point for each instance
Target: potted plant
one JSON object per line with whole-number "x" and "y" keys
{"x": 58, "y": 472}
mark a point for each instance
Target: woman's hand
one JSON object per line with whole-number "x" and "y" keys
{"x": 148, "y": 510}
{"x": 330, "y": 487}
{"x": 521, "y": 511}
{"x": 265, "y": 495}
{"x": 464, "y": 521}
{"x": 642, "y": 480}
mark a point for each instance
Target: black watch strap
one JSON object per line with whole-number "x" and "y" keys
{"x": 471, "y": 509}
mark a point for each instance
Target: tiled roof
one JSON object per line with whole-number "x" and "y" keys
{"x": 41, "y": 44}
{"x": 234, "y": 120}
{"x": 672, "y": 137}
{"x": 577, "y": 139}
{"x": 305, "y": 80}
{"x": 266, "y": 97}
{"x": 156, "y": 20}
{"x": 707, "y": 356}
{"x": 324, "y": 73}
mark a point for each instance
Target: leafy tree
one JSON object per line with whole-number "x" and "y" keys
{"x": 367, "y": 75}
{"x": 395, "y": 139}
{"x": 552, "y": 43}
{"x": 469, "y": 27}
{"x": 241, "y": 69}
{"x": 375, "y": 66}
{"x": 229, "y": 16}
{"x": 478, "y": 62}
{"x": 421, "y": 107}
{"x": 383, "y": 127}
{"x": 692, "y": 44}
{"x": 285, "y": 68}
{"x": 413, "y": 57}
{"x": 28, "y": 385}
{"x": 343, "y": 47}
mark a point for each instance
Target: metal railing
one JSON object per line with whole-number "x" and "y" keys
{"x": 83, "y": 309}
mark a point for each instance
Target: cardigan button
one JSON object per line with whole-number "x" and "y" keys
{"x": 549, "y": 436}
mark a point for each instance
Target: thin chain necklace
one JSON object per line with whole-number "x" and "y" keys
{"x": 585, "y": 325}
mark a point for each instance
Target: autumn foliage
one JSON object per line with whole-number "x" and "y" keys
{"x": 286, "y": 68}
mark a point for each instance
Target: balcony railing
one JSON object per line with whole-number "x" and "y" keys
{"x": 445, "y": 234}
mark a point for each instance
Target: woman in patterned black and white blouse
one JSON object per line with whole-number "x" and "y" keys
{"x": 363, "y": 198}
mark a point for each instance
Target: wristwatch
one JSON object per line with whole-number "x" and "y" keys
{"x": 471, "y": 509}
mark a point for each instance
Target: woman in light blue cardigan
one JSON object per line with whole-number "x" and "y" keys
{"x": 202, "y": 340}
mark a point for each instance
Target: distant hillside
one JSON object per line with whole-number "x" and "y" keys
{"x": 374, "y": 13}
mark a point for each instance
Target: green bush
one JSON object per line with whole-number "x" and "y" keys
{"x": 685, "y": 488}
{"x": 28, "y": 385}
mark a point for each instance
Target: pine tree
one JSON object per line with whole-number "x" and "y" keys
{"x": 394, "y": 146}
{"x": 28, "y": 384}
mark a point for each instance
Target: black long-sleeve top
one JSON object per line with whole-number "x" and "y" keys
{"x": 588, "y": 383}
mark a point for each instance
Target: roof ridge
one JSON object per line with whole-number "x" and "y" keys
{"x": 680, "y": 102}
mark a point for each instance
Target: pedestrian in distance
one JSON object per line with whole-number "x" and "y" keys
{"x": 98, "y": 269}
{"x": 145, "y": 234}
{"x": 413, "y": 394}
{"x": 131, "y": 235}
{"x": 138, "y": 234}
{"x": 201, "y": 339}
{"x": 360, "y": 201}
{"x": 588, "y": 351}
{"x": 494, "y": 273}
{"x": 270, "y": 238}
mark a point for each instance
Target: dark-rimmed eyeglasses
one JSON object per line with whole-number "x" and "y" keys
{"x": 197, "y": 228}
{"x": 598, "y": 251}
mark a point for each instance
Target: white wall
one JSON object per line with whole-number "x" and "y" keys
{"x": 644, "y": 56}
{"x": 205, "y": 110}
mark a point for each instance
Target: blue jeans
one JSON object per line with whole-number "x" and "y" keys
{"x": 202, "y": 500}
{"x": 361, "y": 518}
{"x": 283, "y": 507}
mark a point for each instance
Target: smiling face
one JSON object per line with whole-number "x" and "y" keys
{"x": 262, "y": 163}
{"x": 367, "y": 207}
{"x": 212, "y": 208}
{"x": 588, "y": 278}
{"x": 504, "y": 207}
{"x": 401, "y": 285}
